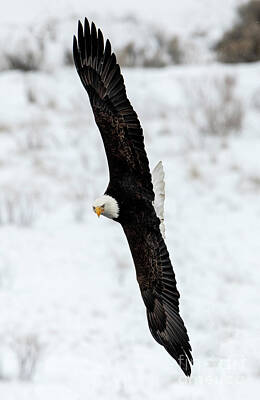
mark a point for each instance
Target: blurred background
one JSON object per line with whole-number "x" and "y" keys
{"x": 72, "y": 321}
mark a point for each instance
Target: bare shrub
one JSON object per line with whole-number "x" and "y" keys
{"x": 155, "y": 61}
{"x": 128, "y": 55}
{"x": 24, "y": 56}
{"x": 242, "y": 42}
{"x": 194, "y": 172}
{"x": 213, "y": 106}
{"x": 26, "y": 63}
{"x": 34, "y": 96}
{"x": 131, "y": 56}
{"x": 121, "y": 264}
{"x": 18, "y": 208}
{"x": 68, "y": 57}
{"x": 174, "y": 50}
{"x": 31, "y": 95}
{"x": 34, "y": 135}
{"x": 255, "y": 179}
{"x": 28, "y": 350}
{"x": 250, "y": 12}
{"x": 31, "y": 140}
{"x": 249, "y": 183}
{"x": 79, "y": 195}
{"x": 165, "y": 51}
{"x": 168, "y": 52}
{"x": 4, "y": 128}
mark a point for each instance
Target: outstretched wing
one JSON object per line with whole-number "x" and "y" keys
{"x": 158, "y": 288}
{"x": 117, "y": 121}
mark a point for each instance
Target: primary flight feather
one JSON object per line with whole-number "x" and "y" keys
{"x": 129, "y": 198}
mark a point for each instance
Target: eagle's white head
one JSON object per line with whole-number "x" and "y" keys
{"x": 107, "y": 206}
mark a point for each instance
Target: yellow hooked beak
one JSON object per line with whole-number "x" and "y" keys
{"x": 99, "y": 211}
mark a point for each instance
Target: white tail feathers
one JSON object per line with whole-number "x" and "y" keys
{"x": 159, "y": 191}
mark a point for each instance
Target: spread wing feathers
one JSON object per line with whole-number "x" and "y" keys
{"x": 159, "y": 191}
{"x": 158, "y": 288}
{"x": 117, "y": 121}
{"x": 162, "y": 305}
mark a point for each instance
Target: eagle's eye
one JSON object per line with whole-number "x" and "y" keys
{"x": 103, "y": 206}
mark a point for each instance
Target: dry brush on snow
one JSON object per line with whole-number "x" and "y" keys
{"x": 214, "y": 108}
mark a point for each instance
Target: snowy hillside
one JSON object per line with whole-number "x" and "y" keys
{"x": 166, "y": 31}
{"x": 72, "y": 321}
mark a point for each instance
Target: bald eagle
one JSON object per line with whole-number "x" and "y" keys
{"x": 129, "y": 198}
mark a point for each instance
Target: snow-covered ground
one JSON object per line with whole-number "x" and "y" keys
{"x": 67, "y": 282}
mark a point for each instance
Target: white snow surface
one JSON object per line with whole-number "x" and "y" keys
{"x": 67, "y": 277}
